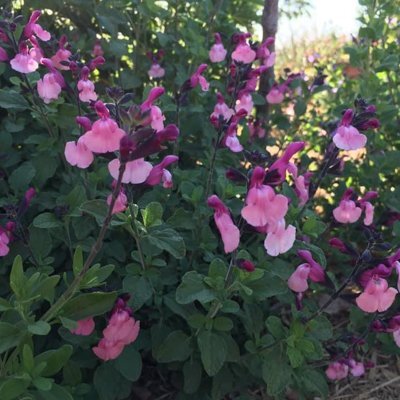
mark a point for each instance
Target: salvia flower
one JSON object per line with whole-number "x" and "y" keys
{"x": 153, "y": 95}
{"x": 222, "y": 110}
{"x": 247, "y": 265}
{"x": 62, "y": 55}
{"x": 217, "y": 52}
{"x": 198, "y": 79}
{"x": 105, "y": 135}
{"x": 85, "y": 327}
{"x": 276, "y": 95}
{"x": 243, "y": 52}
{"x": 3, "y": 55}
{"x": 337, "y": 370}
{"x": 156, "y": 71}
{"x": 377, "y": 296}
{"x": 266, "y": 57}
{"x": 23, "y": 61}
{"x": 347, "y": 137}
{"x": 159, "y": 173}
{"x": 136, "y": 171}
{"x": 298, "y": 281}
{"x": 347, "y": 212}
{"x": 245, "y": 102}
{"x": 4, "y": 241}
{"x": 230, "y": 233}
{"x": 32, "y": 28}
{"x": 77, "y": 154}
{"x": 86, "y": 87}
{"x": 50, "y": 86}
{"x": 121, "y": 202}
{"x": 280, "y": 240}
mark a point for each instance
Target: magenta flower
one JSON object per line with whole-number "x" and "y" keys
{"x": 298, "y": 281}
{"x": 222, "y": 109}
{"x": 32, "y": 28}
{"x": 48, "y": 88}
{"x": 121, "y": 202}
{"x": 317, "y": 273}
{"x": 198, "y": 79}
{"x": 245, "y": 102}
{"x": 62, "y": 54}
{"x": 4, "y": 241}
{"x": 24, "y": 62}
{"x": 154, "y": 94}
{"x": 347, "y": 212}
{"x": 85, "y": 327}
{"x": 160, "y": 174}
{"x": 156, "y": 71}
{"x": 105, "y": 135}
{"x": 243, "y": 52}
{"x": 3, "y": 55}
{"x": 266, "y": 57}
{"x": 230, "y": 233}
{"x": 337, "y": 371}
{"x": 217, "y": 52}
{"x": 157, "y": 118}
{"x": 276, "y": 95}
{"x": 86, "y": 87}
{"x": 230, "y": 139}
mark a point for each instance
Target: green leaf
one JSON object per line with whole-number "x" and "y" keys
{"x": 39, "y": 328}
{"x": 276, "y": 372}
{"x": 47, "y": 221}
{"x": 129, "y": 364}
{"x": 213, "y": 351}
{"x": 13, "y": 387}
{"x": 152, "y": 214}
{"x": 88, "y": 305}
{"x": 10, "y": 335}
{"x": 109, "y": 383}
{"x": 27, "y": 358}
{"x": 17, "y": 277}
{"x": 22, "y": 176}
{"x": 296, "y": 357}
{"x": 5, "y": 305}
{"x": 95, "y": 208}
{"x": 169, "y": 240}
{"x": 42, "y": 384}
{"x": 96, "y": 276}
{"x": 140, "y": 288}
{"x": 275, "y": 327}
{"x": 176, "y": 347}
{"x": 321, "y": 328}
{"x": 313, "y": 227}
{"x": 56, "y": 392}
{"x": 193, "y": 288}
{"x": 10, "y": 99}
{"x": 192, "y": 372}
{"x": 77, "y": 263}
{"x": 315, "y": 382}
{"x": 54, "y": 359}
{"x": 223, "y": 324}
{"x": 217, "y": 268}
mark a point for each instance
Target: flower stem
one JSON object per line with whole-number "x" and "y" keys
{"x": 136, "y": 236}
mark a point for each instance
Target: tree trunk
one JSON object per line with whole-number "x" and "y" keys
{"x": 269, "y": 24}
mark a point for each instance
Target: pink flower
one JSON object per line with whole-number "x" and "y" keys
{"x": 263, "y": 206}
{"x": 157, "y": 118}
{"x": 105, "y": 134}
{"x": 156, "y": 71}
{"x": 347, "y": 212}
{"x": 230, "y": 140}
{"x": 159, "y": 172}
{"x": 198, "y": 79}
{"x": 317, "y": 273}
{"x": 121, "y": 202}
{"x": 356, "y": 368}
{"x": 4, "y": 240}
{"x": 369, "y": 213}
{"x": 396, "y": 337}
{"x": 349, "y": 138}
{"x": 86, "y": 87}
{"x": 302, "y": 187}
{"x": 243, "y": 52}
{"x": 337, "y": 371}
{"x": 78, "y": 154}
{"x": 377, "y": 296}
{"x": 97, "y": 49}
{"x": 266, "y": 57}
{"x": 61, "y": 55}
{"x": 217, "y": 52}
{"x": 36, "y": 51}
{"x": 122, "y": 329}
{"x": 24, "y": 62}
{"x": 154, "y": 94}
{"x": 85, "y": 327}
{"x": 275, "y": 96}
{"x": 230, "y": 233}
{"x": 298, "y": 280}
{"x": 280, "y": 240}
{"x": 136, "y": 171}
{"x": 32, "y": 28}
{"x": 108, "y": 349}
{"x": 48, "y": 87}
{"x": 245, "y": 102}
{"x": 222, "y": 109}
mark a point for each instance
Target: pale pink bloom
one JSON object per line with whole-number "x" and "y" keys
{"x": 78, "y": 154}
{"x": 280, "y": 240}
{"x": 61, "y": 55}
{"x": 97, "y": 49}
{"x": 356, "y": 368}
{"x": 244, "y": 53}
{"x": 396, "y": 337}
{"x": 36, "y": 53}
{"x": 85, "y": 327}
{"x": 32, "y": 28}
{"x": 275, "y": 96}
{"x": 230, "y": 233}
{"x": 105, "y": 134}
{"x": 222, "y": 109}
{"x": 347, "y": 212}
{"x": 108, "y": 349}
{"x": 349, "y": 138}
{"x": 266, "y": 57}
{"x": 4, "y": 240}
{"x": 48, "y": 87}
{"x": 121, "y": 202}
{"x": 136, "y": 171}
{"x": 156, "y": 71}
{"x": 337, "y": 370}
{"x": 86, "y": 91}
{"x": 157, "y": 118}
{"x": 3, "y": 55}
{"x": 298, "y": 281}
{"x": 122, "y": 327}
{"x": 217, "y": 52}
{"x": 397, "y": 266}
{"x": 24, "y": 62}
{"x": 159, "y": 173}
{"x": 369, "y": 213}
{"x": 233, "y": 144}
{"x": 153, "y": 95}
{"x": 302, "y": 186}
{"x": 198, "y": 79}
{"x": 245, "y": 102}
{"x": 377, "y": 296}
{"x": 317, "y": 273}
{"x": 263, "y": 206}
